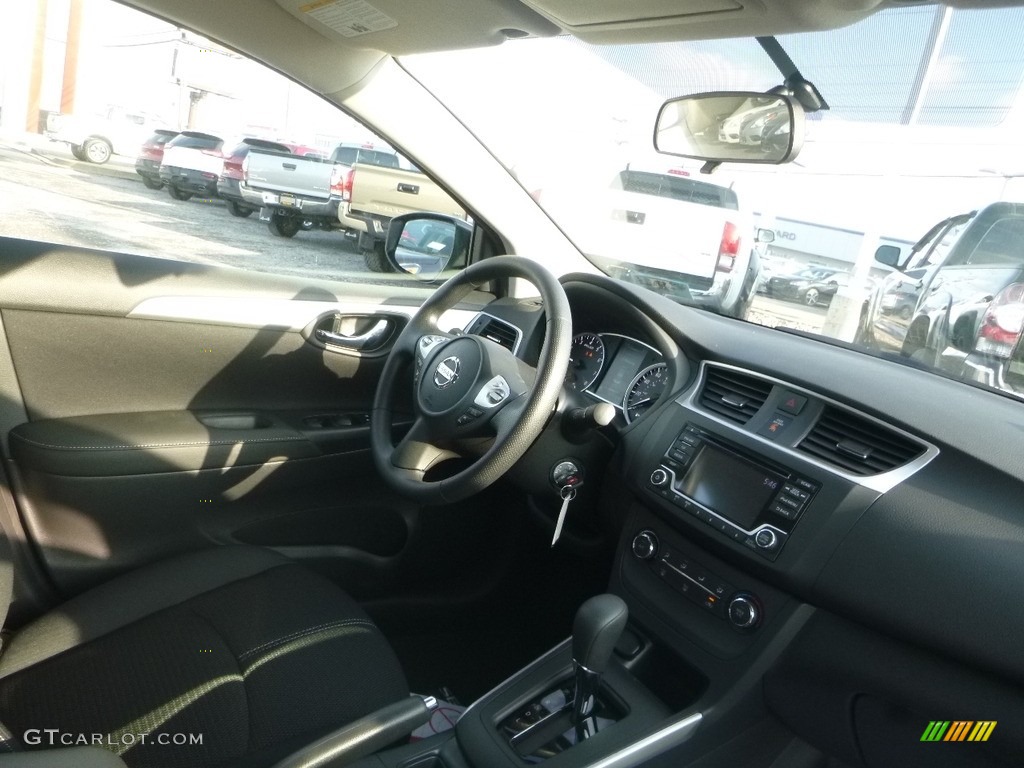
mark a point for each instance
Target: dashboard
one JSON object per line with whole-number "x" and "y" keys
{"x": 784, "y": 502}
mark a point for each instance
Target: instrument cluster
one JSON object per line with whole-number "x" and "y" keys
{"x": 617, "y": 369}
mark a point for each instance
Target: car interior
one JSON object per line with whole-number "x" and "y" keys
{"x": 300, "y": 517}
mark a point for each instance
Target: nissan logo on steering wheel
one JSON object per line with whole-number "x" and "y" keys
{"x": 447, "y": 372}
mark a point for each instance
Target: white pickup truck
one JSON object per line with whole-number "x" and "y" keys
{"x": 684, "y": 237}
{"x": 372, "y": 195}
{"x": 293, "y": 191}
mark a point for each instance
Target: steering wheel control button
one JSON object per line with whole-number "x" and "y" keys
{"x": 792, "y": 403}
{"x": 425, "y": 346}
{"x": 468, "y": 416}
{"x": 493, "y": 393}
{"x": 744, "y": 612}
{"x": 659, "y": 478}
{"x": 645, "y": 545}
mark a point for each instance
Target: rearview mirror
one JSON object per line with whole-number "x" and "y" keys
{"x": 426, "y": 244}
{"x": 731, "y": 126}
{"x": 765, "y": 235}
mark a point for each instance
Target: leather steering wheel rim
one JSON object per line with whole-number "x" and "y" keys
{"x": 525, "y": 416}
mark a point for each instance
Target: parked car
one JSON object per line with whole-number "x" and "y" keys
{"x": 373, "y": 194}
{"x": 995, "y": 349}
{"x": 685, "y": 237}
{"x": 192, "y": 164}
{"x": 95, "y": 138}
{"x": 151, "y": 155}
{"x": 901, "y": 300}
{"x": 952, "y": 274}
{"x": 291, "y": 190}
{"x": 231, "y": 174}
{"x": 968, "y": 303}
{"x": 812, "y": 286}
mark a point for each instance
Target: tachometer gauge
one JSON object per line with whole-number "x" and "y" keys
{"x": 644, "y": 391}
{"x": 585, "y": 361}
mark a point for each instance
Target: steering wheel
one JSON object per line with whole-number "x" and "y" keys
{"x": 468, "y": 389}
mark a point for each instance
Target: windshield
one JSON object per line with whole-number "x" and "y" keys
{"x": 904, "y": 87}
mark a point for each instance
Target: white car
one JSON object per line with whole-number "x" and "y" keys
{"x": 94, "y": 138}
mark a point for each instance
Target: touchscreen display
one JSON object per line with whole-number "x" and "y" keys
{"x": 730, "y": 485}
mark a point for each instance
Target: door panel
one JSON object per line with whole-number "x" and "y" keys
{"x": 159, "y": 407}
{"x": 75, "y": 364}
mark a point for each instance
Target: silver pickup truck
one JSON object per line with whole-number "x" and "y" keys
{"x": 295, "y": 192}
{"x": 373, "y": 195}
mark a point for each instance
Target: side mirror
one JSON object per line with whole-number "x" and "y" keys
{"x": 426, "y": 244}
{"x": 731, "y": 126}
{"x": 889, "y": 255}
{"x": 765, "y": 235}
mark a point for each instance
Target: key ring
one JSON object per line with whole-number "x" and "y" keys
{"x": 567, "y": 492}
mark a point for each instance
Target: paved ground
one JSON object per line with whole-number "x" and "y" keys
{"x": 108, "y": 207}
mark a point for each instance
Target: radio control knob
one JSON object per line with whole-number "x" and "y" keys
{"x": 645, "y": 545}
{"x": 744, "y": 611}
{"x": 659, "y": 478}
{"x": 766, "y": 538}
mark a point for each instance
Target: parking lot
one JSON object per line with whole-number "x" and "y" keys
{"x": 108, "y": 207}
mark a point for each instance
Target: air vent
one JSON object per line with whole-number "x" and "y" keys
{"x": 733, "y": 395}
{"x": 859, "y": 446}
{"x": 498, "y": 331}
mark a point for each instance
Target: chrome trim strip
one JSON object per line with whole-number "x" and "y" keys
{"x": 881, "y": 483}
{"x": 516, "y": 328}
{"x": 651, "y": 746}
{"x": 283, "y": 314}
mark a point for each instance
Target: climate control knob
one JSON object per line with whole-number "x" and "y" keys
{"x": 645, "y": 545}
{"x": 744, "y": 611}
{"x": 659, "y": 478}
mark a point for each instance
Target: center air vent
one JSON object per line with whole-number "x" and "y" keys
{"x": 498, "y": 331}
{"x": 733, "y": 395}
{"x": 858, "y": 445}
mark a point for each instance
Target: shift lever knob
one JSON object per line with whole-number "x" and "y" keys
{"x": 596, "y": 629}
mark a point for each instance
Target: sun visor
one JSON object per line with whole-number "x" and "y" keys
{"x": 621, "y": 21}
{"x": 598, "y": 13}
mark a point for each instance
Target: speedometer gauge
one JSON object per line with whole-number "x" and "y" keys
{"x": 644, "y": 391}
{"x": 585, "y": 361}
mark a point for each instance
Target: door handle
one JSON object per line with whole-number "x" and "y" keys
{"x": 371, "y": 339}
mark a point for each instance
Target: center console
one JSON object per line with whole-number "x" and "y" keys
{"x": 727, "y": 521}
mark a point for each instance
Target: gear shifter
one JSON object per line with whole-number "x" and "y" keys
{"x": 595, "y": 631}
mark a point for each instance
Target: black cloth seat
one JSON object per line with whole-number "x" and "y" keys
{"x": 253, "y": 653}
